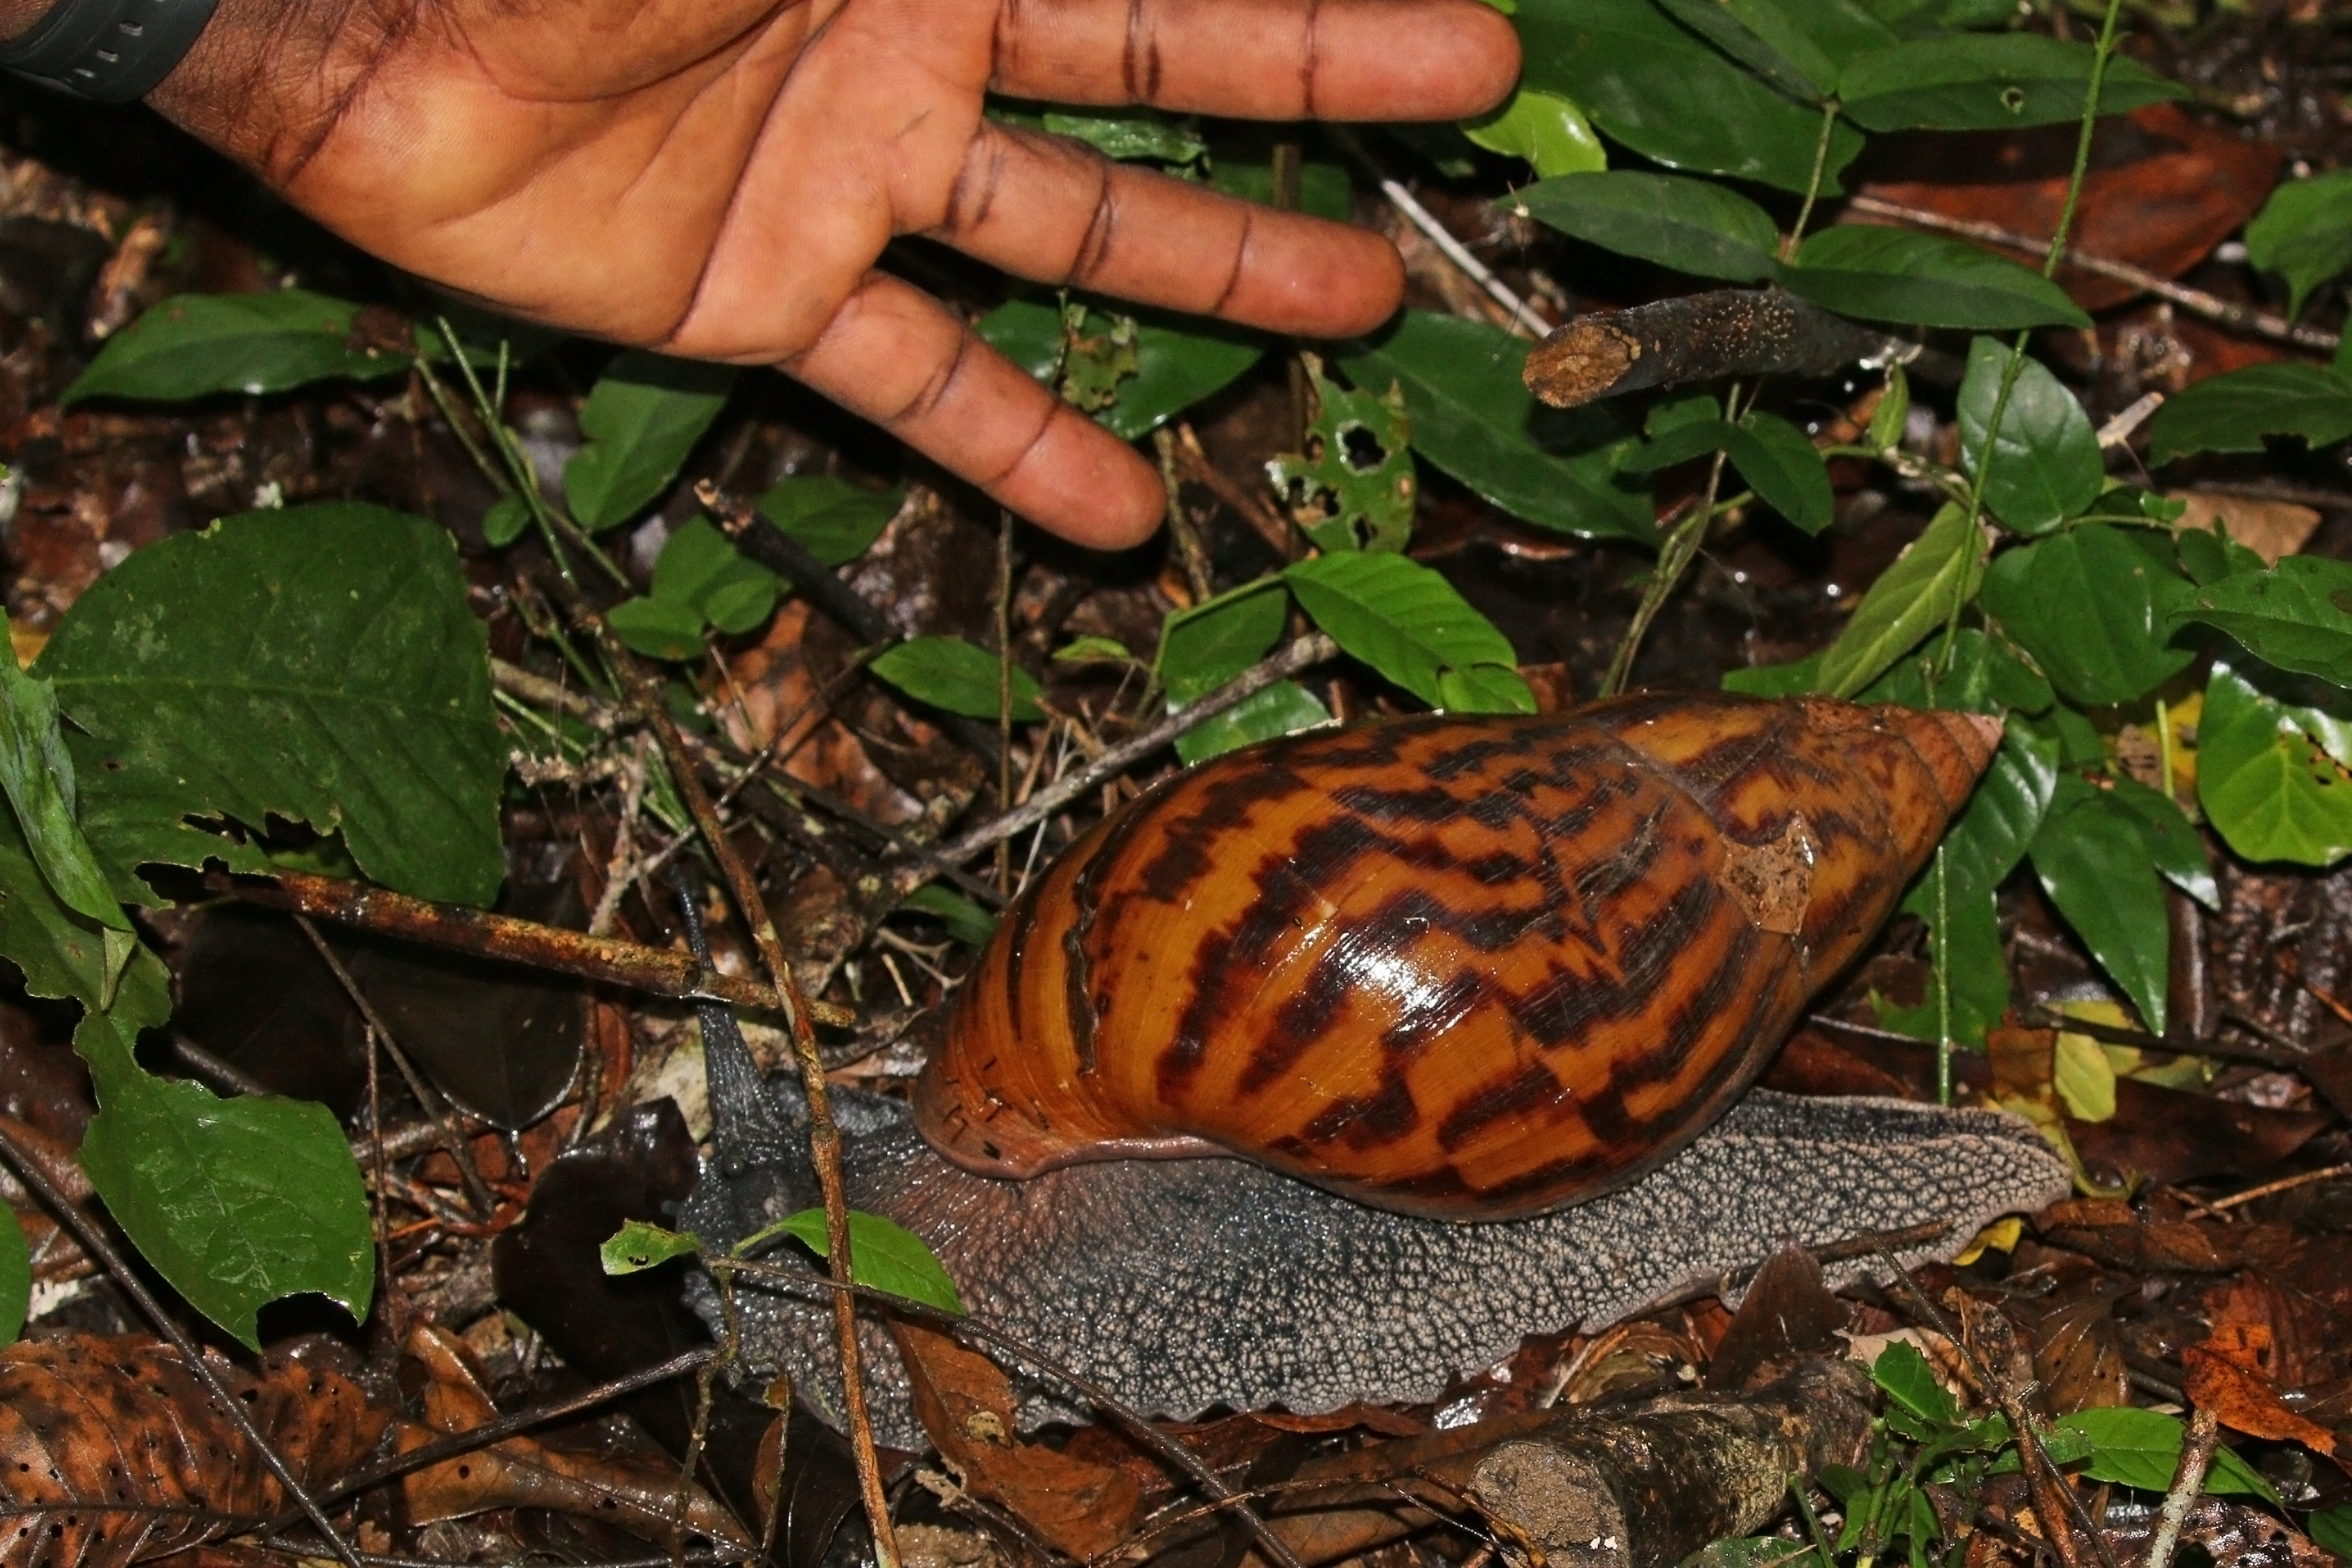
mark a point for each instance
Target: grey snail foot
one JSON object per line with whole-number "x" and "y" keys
{"x": 1184, "y": 1285}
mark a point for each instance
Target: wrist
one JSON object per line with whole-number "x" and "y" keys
{"x": 109, "y": 51}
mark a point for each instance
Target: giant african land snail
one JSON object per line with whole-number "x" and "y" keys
{"x": 1502, "y": 969}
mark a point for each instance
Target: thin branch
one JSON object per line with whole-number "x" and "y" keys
{"x": 2187, "y": 1480}
{"x": 97, "y": 1244}
{"x": 1525, "y": 322}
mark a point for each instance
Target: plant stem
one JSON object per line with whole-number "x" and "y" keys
{"x": 1675, "y": 556}
{"x": 1813, "y": 184}
{"x": 1943, "y": 985}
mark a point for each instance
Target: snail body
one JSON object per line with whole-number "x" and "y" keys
{"x": 1459, "y": 968}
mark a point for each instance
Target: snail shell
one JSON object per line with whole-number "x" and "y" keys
{"x": 1462, "y": 968}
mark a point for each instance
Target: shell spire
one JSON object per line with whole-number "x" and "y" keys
{"x": 1472, "y": 968}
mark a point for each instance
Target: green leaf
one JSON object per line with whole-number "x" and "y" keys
{"x": 2303, "y": 233}
{"x": 1692, "y": 225}
{"x": 836, "y": 520}
{"x": 1093, "y": 650}
{"x": 2095, "y": 608}
{"x": 1996, "y": 82}
{"x": 2296, "y": 615}
{"x": 640, "y": 1245}
{"x": 1968, "y": 944}
{"x": 1893, "y": 274}
{"x": 1781, "y": 464}
{"x": 1484, "y": 689}
{"x": 881, "y": 1256}
{"x": 1977, "y": 674}
{"x": 657, "y": 627}
{"x": 2046, "y": 465}
{"x": 1204, "y": 647}
{"x": 2000, "y": 820}
{"x": 1783, "y": 53}
{"x": 2092, "y": 858}
{"x": 1399, "y": 616}
{"x": 2233, "y": 413}
{"x": 642, "y": 419}
{"x": 60, "y": 954}
{"x": 952, "y": 674}
{"x": 1132, "y": 134}
{"x": 1908, "y": 1379}
{"x": 1776, "y": 679}
{"x": 1679, "y": 442}
{"x": 1472, "y": 415}
{"x": 2084, "y": 1077}
{"x": 508, "y": 520}
{"x": 701, "y": 567}
{"x": 15, "y": 1277}
{"x": 1545, "y": 130}
{"x": 1652, "y": 86}
{"x": 2174, "y": 846}
{"x": 1892, "y": 418}
{"x": 193, "y": 345}
{"x": 37, "y": 773}
{"x": 1178, "y": 361}
{"x": 2136, "y": 1448}
{"x": 1283, "y": 708}
{"x": 319, "y": 664}
{"x": 2330, "y": 1530}
{"x": 966, "y": 921}
{"x": 2270, "y": 774}
{"x": 1244, "y": 167}
{"x": 1934, "y": 573}
{"x": 1353, "y": 487}
{"x": 234, "y": 1202}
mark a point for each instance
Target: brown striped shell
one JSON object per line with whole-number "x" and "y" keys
{"x": 1471, "y": 968}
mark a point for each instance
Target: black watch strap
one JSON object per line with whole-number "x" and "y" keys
{"x": 114, "y": 51}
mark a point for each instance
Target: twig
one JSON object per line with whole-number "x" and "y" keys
{"x": 1311, "y": 650}
{"x": 2195, "y": 300}
{"x": 2118, "y": 430}
{"x": 655, "y": 971}
{"x": 435, "y": 1107}
{"x": 2187, "y": 1480}
{"x": 2284, "y": 1185}
{"x": 1280, "y": 536}
{"x": 97, "y": 1244}
{"x": 1525, "y": 322}
{"x": 824, "y": 1137}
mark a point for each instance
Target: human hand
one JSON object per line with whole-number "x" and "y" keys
{"x": 716, "y": 178}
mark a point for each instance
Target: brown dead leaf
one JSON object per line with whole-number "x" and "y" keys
{"x": 965, "y": 1401}
{"x": 520, "y": 1472}
{"x": 2244, "y": 1403}
{"x": 115, "y": 1452}
{"x": 2271, "y": 529}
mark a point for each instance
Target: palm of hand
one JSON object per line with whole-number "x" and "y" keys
{"x": 716, "y": 178}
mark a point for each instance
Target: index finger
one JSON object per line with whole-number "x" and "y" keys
{"x": 1261, "y": 59}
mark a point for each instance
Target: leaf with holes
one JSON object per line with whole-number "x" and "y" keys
{"x": 1353, "y": 488}
{"x": 319, "y": 664}
{"x": 953, "y": 674}
{"x": 2272, "y": 775}
{"x": 1471, "y": 414}
{"x": 2045, "y": 463}
{"x": 1999, "y": 82}
{"x": 642, "y": 420}
{"x": 1399, "y": 616}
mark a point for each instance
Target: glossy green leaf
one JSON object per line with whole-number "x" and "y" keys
{"x": 1780, "y": 463}
{"x": 320, "y": 664}
{"x": 1242, "y": 165}
{"x": 1654, "y": 87}
{"x": 61, "y": 954}
{"x": 2132, "y": 1446}
{"x": 1353, "y": 487}
{"x": 1979, "y": 674}
{"x": 2303, "y": 233}
{"x": 1398, "y": 616}
{"x": 1679, "y": 443}
{"x": 2234, "y": 411}
{"x": 2095, "y": 607}
{"x": 1545, "y": 130}
{"x": 2208, "y": 557}
{"x": 2330, "y": 1530}
{"x": 881, "y": 1256}
{"x": 2174, "y": 846}
{"x": 1787, "y": 59}
{"x": 837, "y": 521}
{"x": 37, "y": 774}
{"x": 1473, "y": 416}
{"x": 194, "y": 345}
{"x": 1178, "y": 361}
{"x": 2296, "y": 615}
{"x": 1283, "y": 708}
{"x": 1911, "y": 598}
{"x": 1990, "y": 839}
{"x": 642, "y": 420}
{"x": 1906, "y": 1378}
{"x": 2046, "y": 464}
{"x": 1132, "y": 134}
{"x": 1484, "y": 689}
{"x": 2092, "y": 858}
{"x": 640, "y": 1245}
{"x": 1205, "y": 646}
{"x": 2265, "y": 776}
{"x": 657, "y": 627}
{"x": 234, "y": 1202}
{"x": 701, "y": 567}
{"x": 508, "y": 520}
{"x": 1093, "y": 650}
{"x": 1998, "y": 82}
{"x": 1692, "y": 225}
{"x": 1776, "y": 679}
{"x": 953, "y": 674}
{"x": 1894, "y": 275}
{"x": 966, "y": 921}
{"x": 1967, "y": 944}
{"x": 15, "y": 1277}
